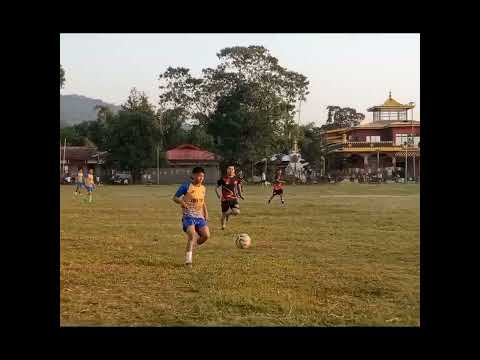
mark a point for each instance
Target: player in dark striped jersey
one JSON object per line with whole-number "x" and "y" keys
{"x": 231, "y": 190}
{"x": 278, "y": 186}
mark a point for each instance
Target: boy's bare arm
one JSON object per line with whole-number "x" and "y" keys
{"x": 240, "y": 194}
{"x": 179, "y": 201}
{"x": 205, "y": 211}
{"x": 216, "y": 191}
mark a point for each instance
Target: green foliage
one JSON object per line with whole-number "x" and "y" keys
{"x": 104, "y": 113}
{"x": 138, "y": 102}
{"x": 72, "y": 135}
{"x": 132, "y": 141}
{"x": 311, "y": 145}
{"x": 198, "y": 136}
{"x": 246, "y": 104}
{"x": 243, "y": 109}
{"x": 170, "y": 125}
{"x": 342, "y": 118}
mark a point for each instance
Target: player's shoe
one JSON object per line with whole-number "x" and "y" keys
{"x": 269, "y": 201}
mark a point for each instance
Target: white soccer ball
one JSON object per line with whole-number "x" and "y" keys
{"x": 243, "y": 241}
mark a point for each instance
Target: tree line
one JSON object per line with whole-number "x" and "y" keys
{"x": 243, "y": 109}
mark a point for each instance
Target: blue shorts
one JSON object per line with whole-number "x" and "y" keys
{"x": 89, "y": 188}
{"x": 79, "y": 184}
{"x": 189, "y": 220}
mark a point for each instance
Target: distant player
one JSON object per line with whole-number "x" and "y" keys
{"x": 89, "y": 184}
{"x": 191, "y": 197}
{"x": 79, "y": 181}
{"x": 278, "y": 186}
{"x": 231, "y": 190}
{"x": 242, "y": 180}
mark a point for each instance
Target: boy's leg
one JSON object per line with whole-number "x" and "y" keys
{"x": 226, "y": 211}
{"x": 204, "y": 234}
{"x": 224, "y": 218}
{"x": 281, "y": 198}
{"x": 271, "y": 197}
{"x": 235, "y": 206}
{"x": 189, "y": 248}
{"x": 90, "y": 191}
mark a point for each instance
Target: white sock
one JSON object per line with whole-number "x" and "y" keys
{"x": 188, "y": 257}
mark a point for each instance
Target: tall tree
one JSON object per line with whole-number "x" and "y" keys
{"x": 72, "y": 136}
{"x": 246, "y": 103}
{"x": 339, "y": 117}
{"x": 198, "y": 136}
{"x": 104, "y": 113}
{"x": 137, "y": 101}
{"x": 132, "y": 140}
{"x": 311, "y": 144}
{"x": 171, "y": 125}
{"x": 62, "y": 77}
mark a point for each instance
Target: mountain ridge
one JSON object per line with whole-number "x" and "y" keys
{"x": 75, "y": 109}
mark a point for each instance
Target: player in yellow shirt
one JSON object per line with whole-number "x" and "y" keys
{"x": 191, "y": 197}
{"x": 79, "y": 181}
{"x": 89, "y": 184}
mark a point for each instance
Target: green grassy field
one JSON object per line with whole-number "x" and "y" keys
{"x": 336, "y": 255}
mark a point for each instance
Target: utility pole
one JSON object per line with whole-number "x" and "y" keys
{"x": 412, "y": 138}
{"x": 158, "y": 164}
{"x": 413, "y": 142}
{"x": 64, "y": 149}
{"x": 60, "y": 157}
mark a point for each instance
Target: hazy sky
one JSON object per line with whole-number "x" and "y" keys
{"x": 355, "y": 70}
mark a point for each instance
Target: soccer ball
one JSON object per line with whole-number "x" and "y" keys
{"x": 243, "y": 241}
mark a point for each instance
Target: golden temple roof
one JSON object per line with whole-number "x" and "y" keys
{"x": 391, "y": 104}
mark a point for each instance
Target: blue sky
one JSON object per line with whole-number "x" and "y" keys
{"x": 356, "y": 70}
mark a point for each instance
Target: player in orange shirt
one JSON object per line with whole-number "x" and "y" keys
{"x": 191, "y": 197}
{"x": 89, "y": 184}
{"x": 278, "y": 186}
{"x": 79, "y": 182}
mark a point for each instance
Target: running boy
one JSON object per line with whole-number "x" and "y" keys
{"x": 278, "y": 186}
{"x": 79, "y": 181}
{"x": 89, "y": 184}
{"x": 191, "y": 197}
{"x": 231, "y": 191}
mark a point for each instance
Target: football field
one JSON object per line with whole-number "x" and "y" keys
{"x": 336, "y": 255}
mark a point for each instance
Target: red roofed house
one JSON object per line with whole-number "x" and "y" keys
{"x": 182, "y": 160}
{"x": 71, "y": 157}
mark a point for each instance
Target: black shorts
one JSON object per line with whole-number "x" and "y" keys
{"x": 278, "y": 192}
{"x": 230, "y": 204}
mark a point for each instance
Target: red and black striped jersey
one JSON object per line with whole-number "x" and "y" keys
{"x": 229, "y": 187}
{"x": 277, "y": 184}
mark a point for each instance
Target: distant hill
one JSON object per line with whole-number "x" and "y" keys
{"x": 77, "y": 108}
